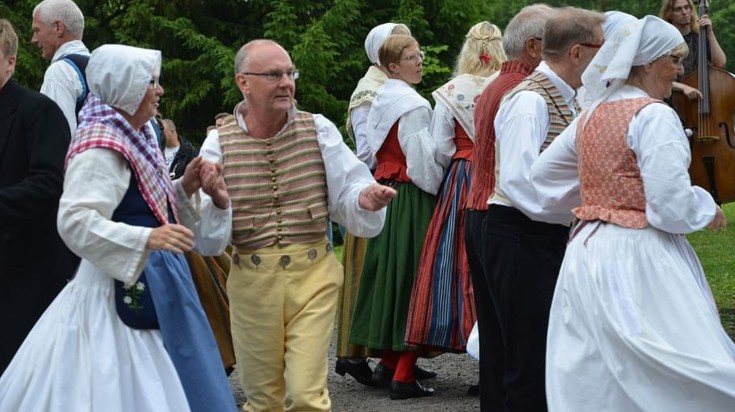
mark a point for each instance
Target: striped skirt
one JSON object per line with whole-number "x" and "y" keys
{"x": 442, "y": 310}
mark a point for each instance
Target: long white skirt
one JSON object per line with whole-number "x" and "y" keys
{"x": 80, "y": 357}
{"x": 633, "y": 327}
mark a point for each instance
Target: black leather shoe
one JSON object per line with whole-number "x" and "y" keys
{"x": 474, "y": 390}
{"x": 400, "y": 390}
{"x": 422, "y": 373}
{"x": 360, "y": 371}
{"x": 382, "y": 376}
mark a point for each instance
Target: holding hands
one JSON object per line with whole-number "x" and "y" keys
{"x": 208, "y": 176}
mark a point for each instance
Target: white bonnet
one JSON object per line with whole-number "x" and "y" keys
{"x": 375, "y": 39}
{"x": 120, "y": 75}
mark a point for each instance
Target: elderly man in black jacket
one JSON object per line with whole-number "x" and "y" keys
{"x": 34, "y": 262}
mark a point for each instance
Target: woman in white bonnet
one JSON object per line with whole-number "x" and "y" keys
{"x": 633, "y": 325}
{"x": 127, "y": 333}
{"x": 351, "y": 359}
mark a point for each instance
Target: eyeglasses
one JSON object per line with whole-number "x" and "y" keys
{"x": 591, "y": 45}
{"x": 275, "y": 75}
{"x": 677, "y": 60}
{"x": 154, "y": 84}
{"x": 415, "y": 57}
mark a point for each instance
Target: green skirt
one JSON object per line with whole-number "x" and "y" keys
{"x": 388, "y": 272}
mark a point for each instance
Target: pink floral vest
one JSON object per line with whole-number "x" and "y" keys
{"x": 610, "y": 181}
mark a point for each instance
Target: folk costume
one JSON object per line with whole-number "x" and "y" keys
{"x": 482, "y": 183}
{"x": 63, "y": 81}
{"x": 442, "y": 310}
{"x": 633, "y": 325}
{"x": 128, "y": 332}
{"x": 398, "y": 136}
{"x": 526, "y": 241}
{"x": 284, "y": 279}
{"x": 353, "y": 250}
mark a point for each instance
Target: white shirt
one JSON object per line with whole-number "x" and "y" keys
{"x": 96, "y": 181}
{"x": 662, "y": 151}
{"x": 398, "y": 102}
{"x": 521, "y": 126}
{"x": 358, "y": 119}
{"x": 61, "y": 82}
{"x": 443, "y": 131}
{"x": 346, "y": 176}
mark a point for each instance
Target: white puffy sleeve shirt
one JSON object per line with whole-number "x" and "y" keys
{"x": 95, "y": 183}
{"x": 521, "y": 126}
{"x": 358, "y": 119}
{"x": 346, "y": 177}
{"x": 61, "y": 82}
{"x": 443, "y": 131}
{"x": 662, "y": 150}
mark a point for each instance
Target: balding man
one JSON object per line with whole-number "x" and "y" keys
{"x": 287, "y": 171}
{"x": 58, "y": 26}
{"x": 527, "y": 242}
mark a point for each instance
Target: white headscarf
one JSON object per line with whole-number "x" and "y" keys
{"x": 614, "y": 20}
{"x": 375, "y": 39}
{"x": 120, "y": 75}
{"x": 634, "y": 44}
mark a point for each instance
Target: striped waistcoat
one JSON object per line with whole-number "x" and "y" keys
{"x": 277, "y": 186}
{"x": 560, "y": 115}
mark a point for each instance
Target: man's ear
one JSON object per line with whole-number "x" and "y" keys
{"x": 242, "y": 83}
{"x": 59, "y": 28}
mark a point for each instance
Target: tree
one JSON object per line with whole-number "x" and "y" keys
{"x": 199, "y": 40}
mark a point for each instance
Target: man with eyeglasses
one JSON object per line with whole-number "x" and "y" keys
{"x": 287, "y": 171}
{"x": 525, "y": 240}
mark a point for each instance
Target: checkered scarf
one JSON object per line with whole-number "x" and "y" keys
{"x": 101, "y": 126}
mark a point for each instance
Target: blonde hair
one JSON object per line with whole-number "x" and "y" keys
{"x": 401, "y": 28}
{"x": 667, "y": 6}
{"x": 8, "y": 39}
{"x": 486, "y": 39}
{"x": 391, "y": 49}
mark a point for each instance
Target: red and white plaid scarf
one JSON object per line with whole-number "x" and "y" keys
{"x": 101, "y": 126}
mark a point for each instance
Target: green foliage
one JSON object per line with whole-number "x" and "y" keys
{"x": 199, "y": 41}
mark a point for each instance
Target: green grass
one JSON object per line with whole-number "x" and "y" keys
{"x": 715, "y": 251}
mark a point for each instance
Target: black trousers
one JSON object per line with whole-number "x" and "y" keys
{"x": 522, "y": 259}
{"x": 492, "y": 355}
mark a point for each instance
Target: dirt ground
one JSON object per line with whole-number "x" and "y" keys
{"x": 456, "y": 372}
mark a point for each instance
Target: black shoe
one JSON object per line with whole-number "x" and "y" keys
{"x": 422, "y": 373}
{"x": 382, "y": 376}
{"x": 474, "y": 390}
{"x": 360, "y": 371}
{"x": 399, "y": 390}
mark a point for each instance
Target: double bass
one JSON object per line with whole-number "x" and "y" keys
{"x": 711, "y": 120}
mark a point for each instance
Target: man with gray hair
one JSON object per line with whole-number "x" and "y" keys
{"x": 58, "y": 26}
{"x": 522, "y": 42}
{"x": 524, "y": 240}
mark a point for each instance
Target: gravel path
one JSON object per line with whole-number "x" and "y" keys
{"x": 456, "y": 373}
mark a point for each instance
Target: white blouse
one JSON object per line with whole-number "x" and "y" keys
{"x": 656, "y": 136}
{"x": 96, "y": 182}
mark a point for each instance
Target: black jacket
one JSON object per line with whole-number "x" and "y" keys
{"x": 187, "y": 152}
{"x": 34, "y": 262}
